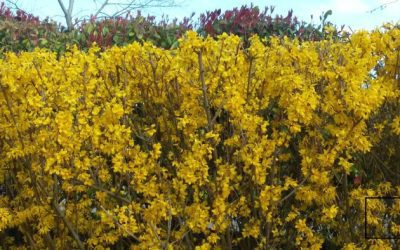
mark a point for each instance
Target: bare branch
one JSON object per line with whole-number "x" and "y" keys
{"x": 295, "y": 189}
{"x": 206, "y": 103}
{"x": 69, "y": 225}
{"x": 67, "y": 13}
{"x": 101, "y": 8}
{"x": 14, "y": 4}
{"x": 63, "y": 7}
{"x": 382, "y": 6}
{"x": 134, "y": 5}
{"x": 70, "y": 7}
{"x": 119, "y": 224}
{"x": 120, "y": 7}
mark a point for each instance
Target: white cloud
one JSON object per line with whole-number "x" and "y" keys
{"x": 350, "y": 6}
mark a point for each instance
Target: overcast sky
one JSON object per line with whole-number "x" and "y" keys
{"x": 353, "y": 13}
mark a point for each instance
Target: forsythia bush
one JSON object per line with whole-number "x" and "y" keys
{"x": 210, "y": 145}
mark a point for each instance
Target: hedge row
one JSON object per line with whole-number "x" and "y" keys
{"x": 24, "y": 32}
{"x": 207, "y": 145}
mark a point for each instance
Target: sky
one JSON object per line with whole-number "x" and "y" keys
{"x": 355, "y": 14}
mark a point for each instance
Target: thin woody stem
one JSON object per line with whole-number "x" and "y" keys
{"x": 69, "y": 226}
{"x": 206, "y": 103}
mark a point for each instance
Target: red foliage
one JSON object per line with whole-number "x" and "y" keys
{"x": 20, "y": 15}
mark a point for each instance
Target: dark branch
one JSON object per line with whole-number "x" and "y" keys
{"x": 382, "y": 6}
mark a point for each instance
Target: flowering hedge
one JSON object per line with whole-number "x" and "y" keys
{"x": 207, "y": 145}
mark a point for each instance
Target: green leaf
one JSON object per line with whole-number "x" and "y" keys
{"x": 43, "y": 41}
{"x": 328, "y": 13}
{"x": 354, "y": 170}
{"x": 117, "y": 39}
{"x": 157, "y": 36}
{"x": 175, "y": 45}
{"x": 89, "y": 28}
{"x": 169, "y": 40}
{"x": 105, "y": 30}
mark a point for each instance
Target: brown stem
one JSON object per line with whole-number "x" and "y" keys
{"x": 119, "y": 225}
{"x": 295, "y": 189}
{"x": 347, "y": 209}
{"x": 113, "y": 195}
{"x": 12, "y": 115}
{"x": 396, "y": 70}
{"x": 28, "y": 232}
{"x": 41, "y": 93}
{"x": 249, "y": 78}
{"x": 69, "y": 225}
{"x": 50, "y": 242}
{"x": 206, "y": 103}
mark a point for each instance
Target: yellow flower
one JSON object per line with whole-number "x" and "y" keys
{"x": 5, "y": 218}
{"x": 329, "y": 213}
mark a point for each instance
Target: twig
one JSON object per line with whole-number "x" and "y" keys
{"x": 119, "y": 225}
{"x": 12, "y": 115}
{"x": 14, "y": 4}
{"x": 115, "y": 196}
{"x": 101, "y": 8}
{"x": 249, "y": 79}
{"x": 382, "y": 6}
{"x": 206, "y": 104}
{"x": 69, "y": 225}
{"x": 295, "y": 189}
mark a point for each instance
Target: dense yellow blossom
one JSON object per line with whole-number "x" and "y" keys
{"x": 206, "y": 146}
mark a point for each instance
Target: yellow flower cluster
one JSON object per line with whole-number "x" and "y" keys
{"x": 209, "y": 145}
